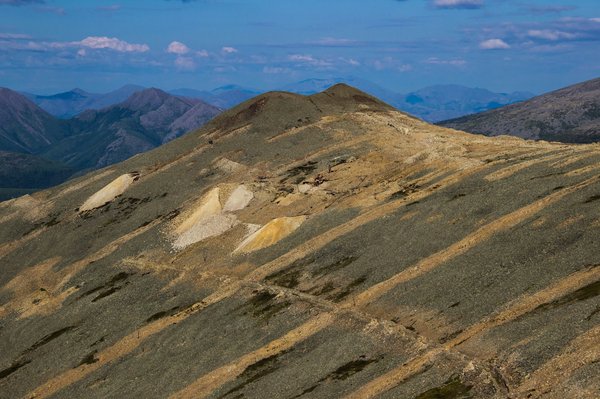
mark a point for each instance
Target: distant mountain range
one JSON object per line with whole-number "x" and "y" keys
{"x": 70, "y": 103}
{"x": 222, "y": 97}
{"x": 38, "y": 150}
{"x": 130, "y": 120}
{"x": 570, "y": 115}
{"x": 432, "y": 104}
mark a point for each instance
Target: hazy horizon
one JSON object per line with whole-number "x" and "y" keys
{"x": 401, "y": 45}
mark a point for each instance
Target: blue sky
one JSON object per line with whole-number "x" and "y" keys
{"x": 502, "y": 45}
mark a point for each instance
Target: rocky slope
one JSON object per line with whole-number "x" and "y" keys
{"x": 570, "y": 115}
{"x": 317, "y": 247}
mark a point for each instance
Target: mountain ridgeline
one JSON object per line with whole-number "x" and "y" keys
{"x": 569, "y": 115}
{"x": 93, "y": 139}
{"x": 322, "y": 246}
{"x": 432, "y": 104}
{"x": 68, "y": 104}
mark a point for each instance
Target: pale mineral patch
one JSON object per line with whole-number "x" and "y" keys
{"x": 239, "y": 199}
{"x": 211, "y": 226}
{"x": 210, "y": 205}
{"x": 228, "y": 166}
{"x": 29, "y": 208}
{"x": 109, "y": 192}
{"x": 304, "y": 188}
{"x": 271, "y": 233}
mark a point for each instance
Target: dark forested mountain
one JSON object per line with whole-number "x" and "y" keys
{"x": 570, "y": 115}
{"x": 93, "y": 139}
{"x": 25, "y": 127}
{"x": 144, "y": 121}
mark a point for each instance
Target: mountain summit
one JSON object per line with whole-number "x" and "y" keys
{"x": 323, "y": 246}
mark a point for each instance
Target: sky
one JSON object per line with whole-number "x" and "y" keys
{"x": 50, "y": 46}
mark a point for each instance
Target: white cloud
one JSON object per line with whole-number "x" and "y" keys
{"x": 335, "y": 42}
{"x": 494, "y": 44}
{"x": 111, "y": 43}
{"x": 309, "y": 59}
{"x": 177, "y": 48}
{"x": 16, "y": 36}
{"x": 81, "y": 52}
{"x": 14, "y": 42}
{"x": 229, "y": 50}
{"x": 548, "y": 34}
{"x": 457, "y": 62}
{"x": 468, "y": 4}
{"x": 185, "y": 63}
{"x": 202, "y": 53}
{"x": 302, "y": 58}
{"x": 275, "y": 70}
{"x": 405, "y": 68}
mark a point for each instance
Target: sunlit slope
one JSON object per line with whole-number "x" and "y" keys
{"x": 317, "y": 247}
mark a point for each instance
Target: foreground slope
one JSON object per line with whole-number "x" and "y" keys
{"x": 569, "y": 115}
{"x": 314, "y": 247}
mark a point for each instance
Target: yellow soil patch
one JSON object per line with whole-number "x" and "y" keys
{"x": 581, "y": 171}
{"x": 28, "y": 207}
{"x": 206, "y": 384}
{"x": 27, "y": 284}
{"x": 272, "y": 232}
{"x": 125, "y": 345}
{"x": 526, "y": 304}
{"x": 582, "y": 351}
{"x": 511, "y": 312}
{"x": 109, "y": 192}
{"x": 394, "y": 377}
{"x": 512, "y": 169}
{"x": 483, "y": 233}
{"x": 573, "y": 159}
{"x": 10, "y": 246}
{"x": 368, "y": 216}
